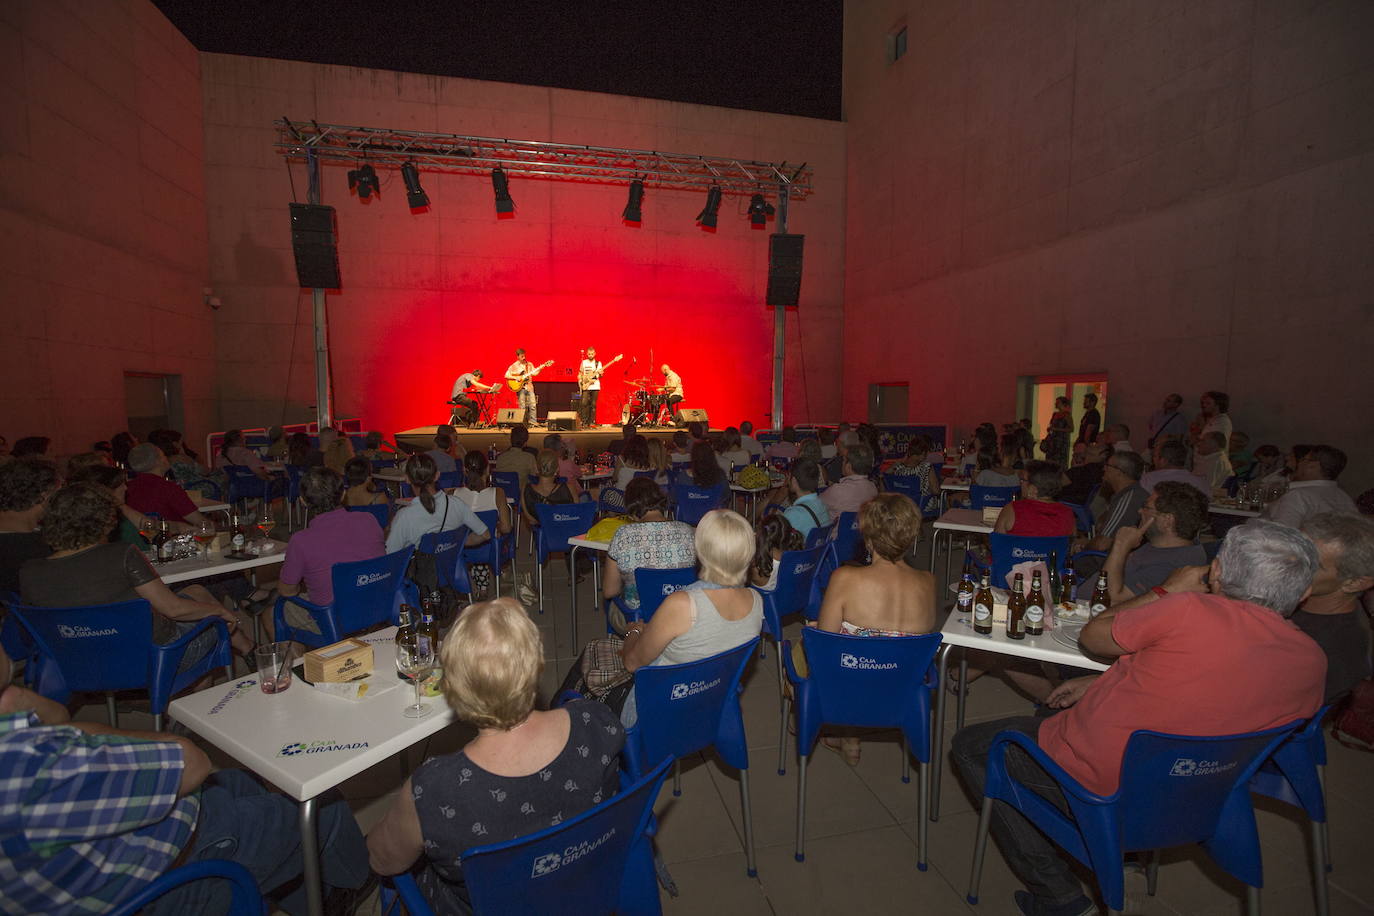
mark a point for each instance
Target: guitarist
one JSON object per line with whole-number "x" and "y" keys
{"x": 589, "y": 380}
{"x": 518, "y": 376}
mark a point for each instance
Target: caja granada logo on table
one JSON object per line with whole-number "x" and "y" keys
{"x": 319, "y": 747}
{"x": 224, "y": 701}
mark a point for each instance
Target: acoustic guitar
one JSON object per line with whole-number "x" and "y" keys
{"x": 587, "y": 376}
{"x": 518, "y": 383}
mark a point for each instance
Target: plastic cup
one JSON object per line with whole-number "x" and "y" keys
{"x": 274, "y": 666}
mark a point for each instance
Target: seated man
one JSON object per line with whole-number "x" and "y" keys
{"x": 1171, "y": 463}
{"x": 517, "y": 457}
{"x": 1331, "y": 614}
{"x": 807, "y": 510}
{"x": 25, "y": 485}
{"x": 853, "y": 489}
{"x": 444, "y": 453}
{"x": 616, "y": 446}
{"x": 1080, "y": 479}
{"x": 1122, "y": 473}
{"x": 786, "y": 446}
{"x": 151, "y": 493}
{"x": 747, "y": 440}
{"x": 1169, "y": 525}
{"x": 681, "y": 452}
{"x": 1313, "y": 489}
{"x": 1210, "y": 461}
{"x": 334, "y": 535}
{"x": 116, "y": 808}
{"x": 1117, "y": 437}
{"x": 834, "y": 467}
{"x": 1227, "y": 646}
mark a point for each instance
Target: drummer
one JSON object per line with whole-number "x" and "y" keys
{"x": 672, "y": 389}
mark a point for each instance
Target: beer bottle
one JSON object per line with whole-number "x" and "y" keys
{"x": 1101, "y": 599}
{"x": 1070, "y": 586}
{"x": 1056, "y": 586}
{"x": 238, "y": 533}
{"x": 964, "y": 597}
{"x": 1035, "y": 608}
{"x": 160, "y": 541}
{"x": 405, "y": 636}
{"x": 427, "y": 633}
{"x": 1016, "y": 609}
{"x": 982, "y": 607}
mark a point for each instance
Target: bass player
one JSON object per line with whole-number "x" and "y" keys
{"x": 589, "y": 381}
{"x": 518, "y": 376}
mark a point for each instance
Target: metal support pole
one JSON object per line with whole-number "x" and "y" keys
{"x": 324, "y": 407}
{"x": 779, "y": 326}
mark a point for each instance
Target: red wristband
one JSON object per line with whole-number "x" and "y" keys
{"x": 1160, "y": 590}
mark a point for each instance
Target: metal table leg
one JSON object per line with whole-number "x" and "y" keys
{"x": 937, "y": 757}
{"x": 310, "y": 859}
{"x": 572, "y": 571}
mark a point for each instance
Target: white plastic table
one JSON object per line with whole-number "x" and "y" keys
{"x": 958, "y": 632}
{"x": 204, "y": 505}
{"x": 752, "y": 496}
{"x": 305, "y": 742}
{"x": 193, "y": 568}
{"x": 597, "y": 548}
{"x": 966, "y": 520}
{"x": 1232, "y": 510}
{"x": 951, "y": 486}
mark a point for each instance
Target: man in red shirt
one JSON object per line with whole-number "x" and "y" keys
{"x": 1208, "y": 653}
{"x": 152, "y": 493}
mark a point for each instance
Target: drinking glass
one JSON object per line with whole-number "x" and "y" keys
{"x": 415, "y": 664}
{"x": 147, "y": 526}
{"x": 264, "y": 521}
{"x": 274, "y": 666}
{"x": 204, "y": 534}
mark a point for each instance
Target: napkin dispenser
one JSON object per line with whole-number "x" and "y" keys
{"x": 990, "y": 514}
{"x": 343, "y": 661}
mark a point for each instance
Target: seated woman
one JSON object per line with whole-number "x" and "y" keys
{"x": 1001, "y": 472}
{"x": 116, "y": 483}
{"x": 713, "y": 614}
{"x": 86, "y": 569}
{"x": 300, "y": 453}
{"x": 732, "y": 455}
{"x": 811, "y": 449}
{"x": 276, "y": 444}
{"x": 650, "y": 540}
{"x": 479, "y": 494}
{"x": 634, "y": 459}
{"x": 360, "y": 490}
{"x": 915, "y": 464}
{"x": 377, "y": 448}
{"x": 775, "y": 536}
{"x": 1036, "y": 514}
{"x": 886, "y": 598}
{"x": 527, "y": 769}
{"x": 703, "y": 471}
{"x": 432, "y": 510}
{"x": 659, "y": 460}
{"x": 547, "y": 491}
{"x": 233, "y": 452}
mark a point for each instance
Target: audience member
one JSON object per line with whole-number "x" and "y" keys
{"x": 786, "y": 446}
{"x": 276, "y": 444}
{"x": 1145, "y": 555}
{"x": 917, "y": 464}
{"x": 747, "y": 440}
{"x": 1170, "y": 650}
{"x": 360, "y": 490}
{"x": 1080, "y": 482}
{"x": 1168, "y": 422}
{"x": 807, "y": 510}
{"x": 82, "y": 460}
{"x": 1331, "y": 613}
{"x": 568, "y": 468}
{"x": 648, "y": 540}
{"x": 479, "y": 494}
{"x": 733, "y": 455}
{"x": 1212, "y": 417}
{"x": 527, "y": 769}
{"x": 1117, "y": 438}
{"x": 337, "y": 449}
{"x": 1036, "y": 513}
{"x": 516, "y": 458}
{"x": 31, "y": 447}
{"x": 1237, "y": 451}
{"x": 853, "y": 488}
{"x": 233, "y": 452}
{"x": 659, "y": 461}
{"x": 151, "y": 493}
{"x": 1313, "y": 489}
{"x": 117, "y": 808}
{"x": 301, "y": 453}
{"x": 185, "y": 467}
{"x": 1170, "y": 463}
{"x": 704, "y": 471}
{"x": 1122, "y": 475}
{"x": 546, "y": 490}
{"x": 115, "y": 482}
{"x": 25, "y": 485}
{"x": 377, "y": 448}
{"x": 774, "y": 538}
{"x": 810, "y": 450}
{"x": 1091, "y": 421}
{"x": 716, "y": 613}
{"x": 1001, "y": 470}
{"x": 1269, "y": 467}
{"x": 682, "y": 448}
{"x": 697, "y": 430}
{"x": 834, "y": 468}
{"x": 444, "y": 453}
{"x": 432, "y": 510}
{"x": 120, "y": 444}
{"x": 1055, "y": 445}
{"x": 85, "y": 569}
{"x": 616, "y": 446}
{"x": 634, "y": 459}
{"x": 826, "y": 436}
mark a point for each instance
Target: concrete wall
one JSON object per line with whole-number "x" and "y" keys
{"x": 102, "y": 217}
{"x": 1179, "y": 193}
{"x": 426, "y": 296}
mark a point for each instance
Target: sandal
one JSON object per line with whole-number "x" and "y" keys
{"x": 850, "y": 753}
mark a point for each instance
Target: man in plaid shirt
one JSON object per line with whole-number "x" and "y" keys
{"x": 90, "y": 815}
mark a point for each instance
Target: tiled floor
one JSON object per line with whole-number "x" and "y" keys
{"x": 861, "y": 821}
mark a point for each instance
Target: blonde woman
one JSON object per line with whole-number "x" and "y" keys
{"x": 526, "y": 770}
{"x": 659, "y": 460}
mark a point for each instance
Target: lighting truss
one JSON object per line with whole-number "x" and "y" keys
{"x": 532, "y": 158}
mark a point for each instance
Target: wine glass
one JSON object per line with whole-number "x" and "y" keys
{"x": 414, "y": 663}
{"x": 264, "y": 521}
{"x": 204, "y": 534}
{"x": 147, "y": 527}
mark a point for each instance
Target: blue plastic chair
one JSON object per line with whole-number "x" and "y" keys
{"x": 244, "y": 484}
{"x": 446, "y": 547}
{"x": 797, "y": 570}
{"x": 653, "y": 585}
{"x": 908, "y": 485}
{"x": 651, "y": 474}
{"x": 611, "y": 501}
{"x": 494, "y": 552}
{"x": 819, "y": 535}
{"x": 687, "y": 708}
{"x": 1165, "y": 799}
{"x": 509, "y": 482}
{"x": 109, "y": 647}
{"x": 449, "y": 480}
{"x": 382, "y": 464}
{"x": 1295, "y": 775}
{"x": 365, "y": 594}
{"x": 534, "y": 875}
{"x": 245, "y": 899}
{"x": 382, "y": 513}
{"x": 845, "y": 547}
{"x": 294, "y": 472}
{"x": 1009, "y": 549}
{"x": 558, "y": 523}
{"x": 980, "y": 497}
{"x": 691, "y": 503}
{"x": 871, "y": 682}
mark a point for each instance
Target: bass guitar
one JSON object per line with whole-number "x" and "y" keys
{"x": 518, "y": 383}
{"x": 587, "y": 376}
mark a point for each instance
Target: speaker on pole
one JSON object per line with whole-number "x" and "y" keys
{"x": 784, "y": 269}
{"x": 315, "y": 245}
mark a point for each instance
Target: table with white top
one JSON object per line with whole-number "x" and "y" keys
{"x": 204, "y": 505}
{"x": 752, "y": 494}
{"x": 193, "y": 568}
{"x": 391, "y": 478}
{"x": 597, "y": 548}
{"x": 958, "y": 632}
{"x": 1221, "y": 509}
{"x": 969, "y": 521}
{"x": 306, "y": 742}
{"x": 953, "y": 485}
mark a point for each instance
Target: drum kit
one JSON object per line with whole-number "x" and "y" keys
{"x": 648, "y": 404}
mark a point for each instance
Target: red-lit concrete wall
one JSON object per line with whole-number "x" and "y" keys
{"x": 102, "y": 217}
{"x": 1179, "y": 193}
{"x": 428, "y": 296}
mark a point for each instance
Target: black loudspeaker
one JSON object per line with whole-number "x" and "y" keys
{"x": 784, "y": 269}
{"x": 315, "y": 245}
{"x": 562, "y": 420}
{"x": 509, "y": 416}
{"x": 693, "y": 415}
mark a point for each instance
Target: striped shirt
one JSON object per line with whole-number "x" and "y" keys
{"x": 86, "y": 821}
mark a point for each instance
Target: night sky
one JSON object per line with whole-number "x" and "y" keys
{"x": 761, "y": 55}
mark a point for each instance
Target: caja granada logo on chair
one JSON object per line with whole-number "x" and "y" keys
{"x": 81, "y": 631}
{"x": 693, "y": 688}
{"x": 550, "y": 862}
{"x": 372, "y": 578}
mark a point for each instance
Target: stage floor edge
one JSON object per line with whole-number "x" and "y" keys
{"x": 594, "y": 440}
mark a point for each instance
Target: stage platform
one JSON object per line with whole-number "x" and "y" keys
{"x": 421, "y": 438}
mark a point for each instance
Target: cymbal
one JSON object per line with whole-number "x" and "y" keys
{"x": 637, "y": 382}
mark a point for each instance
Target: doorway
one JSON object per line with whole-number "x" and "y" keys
{"x": 152, "y": 401}
{"x": 1036, "y": 394}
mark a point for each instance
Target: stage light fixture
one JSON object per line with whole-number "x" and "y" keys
{"x": 415, "y": 195}
{"x": 501, "y": 186}
{"x": 707, "y": 216}
{"x": 364, "y": 180}
{"x": 632, "y": 212}
{"x": 759, "y": 211}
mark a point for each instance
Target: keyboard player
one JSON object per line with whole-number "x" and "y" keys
{"x": 463, "y": 405}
